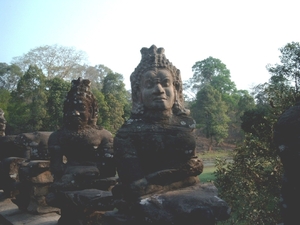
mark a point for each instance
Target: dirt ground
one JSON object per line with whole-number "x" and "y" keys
{"x": 202, "y": 143}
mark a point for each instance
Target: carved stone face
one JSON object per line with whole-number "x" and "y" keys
{"x": 77, "y": 115}
{"x": 157, "y": 89}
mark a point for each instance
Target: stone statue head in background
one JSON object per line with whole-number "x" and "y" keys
{"x": 80, "y": 107}
{"x": 2, "y": 123}
{"x": 156, "y": 85}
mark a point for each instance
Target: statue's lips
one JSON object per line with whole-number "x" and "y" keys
{"x": 159, "y": 99}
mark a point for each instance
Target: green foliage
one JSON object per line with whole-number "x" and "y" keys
{"x": 57, "y": 90}
{"x": 112, "y": 116}
{"x": 4, "y": 100}
{"x": 211, "y": 71}
{"x": 251, "y": 183}
{"x": 209, "y": 111}
{"x": 9, "y": 76}
{"x": 35, "y": 102}
{"x": 27, "y": 104}
{"x": 113, "y": 84}
{"x": 288, "y": 70}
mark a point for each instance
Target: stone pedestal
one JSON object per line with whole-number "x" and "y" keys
{"x": 197, "y": 204}
{"x": 9, "y": 175}
{"x": 85, "y": 206}
{"x": 35, "y": 179}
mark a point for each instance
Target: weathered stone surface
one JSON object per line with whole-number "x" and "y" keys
{"x": 35, "y": 180}
{"x": 38, "y": 204}
{"x": 40, "y": 190}
{"x": 85, "y": 206}
{"x": 35, "y": 143}
{"x": 287, "y": 140}
{"x": 11, "y": 166}
{"x": 197, "y": 204}
{"x": 9, "y": 175}
{"x": 11, "y": 214}
{"x": 28, "y": 146}
{"x": 42, "y": 178}
{"x": 155, "y": 154}
{"x": 89, "y": 160}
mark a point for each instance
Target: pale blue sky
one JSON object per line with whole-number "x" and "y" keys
{"x": 245, "y": 35}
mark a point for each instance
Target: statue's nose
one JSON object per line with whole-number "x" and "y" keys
{"x": 158, "y": 89}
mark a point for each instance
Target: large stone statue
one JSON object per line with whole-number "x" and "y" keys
{"x": 155, "y": 148}
{"x": 287, "y": 141}
{"x": 155, "y": 153}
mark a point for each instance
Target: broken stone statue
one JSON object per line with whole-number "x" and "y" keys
{"x": 81, "y": 157}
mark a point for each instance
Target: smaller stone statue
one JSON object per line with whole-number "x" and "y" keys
{"x": 81, "y": 158}
{"x": 83, "y": 144}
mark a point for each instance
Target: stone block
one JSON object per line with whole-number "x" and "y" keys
{"x": 42, "y": 178}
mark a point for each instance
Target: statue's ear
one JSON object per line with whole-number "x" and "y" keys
{"x": 137, "y": 103}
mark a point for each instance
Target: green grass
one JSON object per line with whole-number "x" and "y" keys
{"x": 214, "y": 154}
{"x": 207, "y": 175}
{"x": 208, "y": 172}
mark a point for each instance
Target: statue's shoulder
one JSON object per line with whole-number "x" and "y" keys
{"x": 103, "y": 132}
{"x": 184, "y": 121}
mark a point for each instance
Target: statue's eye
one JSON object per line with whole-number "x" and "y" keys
{"x": 149, "y": 83}
{"x": 166, "y": 83}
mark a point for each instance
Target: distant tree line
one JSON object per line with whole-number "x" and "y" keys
{"x": 34, "y": 86}
{"x": 218, "y": 105}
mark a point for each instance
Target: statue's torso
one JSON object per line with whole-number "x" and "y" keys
{"x": 86, "y": 145}
{"x": 157, "y": 145}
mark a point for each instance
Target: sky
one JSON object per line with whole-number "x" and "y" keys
{"x": 244, "y": 35}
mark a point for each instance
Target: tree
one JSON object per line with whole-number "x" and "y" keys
{"x": 209, "y": 111}
{"x": 251, "y": 183}
{"x": 241, "y": 103}
{"x": 4, "y": 100}
{"x": 211, "y": 71}
{"x": 55, "y": 60}
{"x": 289, "y": 69}
{"x": 9, "y": 76}
{"x": 27, "y": 105}
{"x": 57, "y": 90}
{"x": 102, "y": 106}
{"x": 113, "y": 84}
{"x": 113, "y": 115}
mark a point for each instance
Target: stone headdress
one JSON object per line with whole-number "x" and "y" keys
{"x": 153, "y": 58}
{"x": 80, "y": 94}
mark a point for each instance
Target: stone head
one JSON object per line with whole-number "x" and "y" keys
{"x": 156, "y": 74}
{"x": 80, "y": 107}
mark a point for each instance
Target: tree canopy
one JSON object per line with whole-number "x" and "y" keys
{"x": 53, "y": 60}
{"x": 251, "y": 183}
{"x": 34, "y": 86}
{"x": 209, "y": 111}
